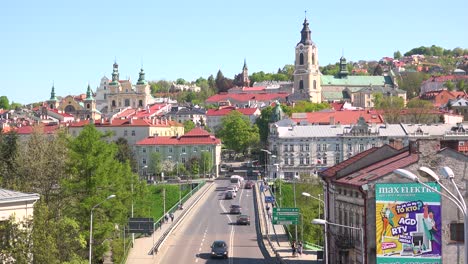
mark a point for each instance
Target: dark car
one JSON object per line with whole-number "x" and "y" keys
{"x": 228, "y": 196}
{"x": 235, "y": 209}
{"x": 243, "y": 220}
{"x": 248, "y": 185}
{"x": 219, "y": 249}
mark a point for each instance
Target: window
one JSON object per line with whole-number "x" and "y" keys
{"x": 301, "y": 59}
{"x": 143, "y": 150}
{"x": 315, "y": 85}
{"x": 170, "y": 150}
{"x": 301, "y": 160}
{"x": 307, "y": 147}
{"x": 337, "y": 159}
{"x": 324, "y": 159}
{"x": 337, "y": 147}
{"x": 361, "y": 147}
{"x": 291, "y": 148}
{"x": 373, "y": 145}
{"x": 313, "y": 58}
{"x": 195, "y": 149}
{"x": 350, "y": 147}
{"x": 319, "y": 147}
{"x": 88, "y": 106}
{"x": 105, "y": 96}
{"x": 307, "y": 160}
{"x": 144, "y": 161}
{"x": 285, "y": 147}
{"x": 461, "y": 143}
{"x": 301, "y": 147}
{"x": 140, "y": 103}
{"x": 301, "y": 85}
{"x": 133, "y": 133}
{"x": 127, "y": 102}
{"x": 113, "y": 103}
{"x": 324, "y": 147}
{"x": 125, "y": 133}
{"x": 157, "y": 149}
{"x": 457, "y": 232}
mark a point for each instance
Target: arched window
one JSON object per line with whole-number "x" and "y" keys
{"x": 88, "y": 106}
{"x": 140, "y": 103}
{"x": 51, "y": 106}
{"x": 315, "y": 84}
{"x": 301, "y": 59}
{"x": 113, "y": 103}
{"x": 313, "y": 58}
{"x": 301, "y": 85}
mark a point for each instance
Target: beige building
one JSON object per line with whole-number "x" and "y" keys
{"x": 17, "y": 204}
{"x": 131, "y": 129}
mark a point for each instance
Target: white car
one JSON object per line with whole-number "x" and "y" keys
{"x": 231, "y": 188}
{"x": 233, "y": 193}
{"x": 236, "y": 188}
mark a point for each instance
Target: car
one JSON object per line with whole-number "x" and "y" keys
{"x": 219, "y": 249}
{"x": 234, "y": 194}
{"x": 235, "y": 209}
{"x": 228, "y": 195}
{"x": 236, "y": 188}
{"x": 249, "y": 185}
{"x": 231, "y": 188}
{"x": 243, "y": 220}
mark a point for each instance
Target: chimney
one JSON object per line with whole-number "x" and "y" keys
{"x": 332, "y": 120}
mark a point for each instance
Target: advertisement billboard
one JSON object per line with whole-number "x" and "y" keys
{"x": 408, "y": 223}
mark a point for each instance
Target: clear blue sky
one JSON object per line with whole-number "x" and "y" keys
{"x": 72, "y": 43}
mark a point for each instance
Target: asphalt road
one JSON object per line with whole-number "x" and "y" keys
{"x": 211, "y": 221}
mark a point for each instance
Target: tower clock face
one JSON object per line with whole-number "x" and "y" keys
{"x": 301, "y": 47}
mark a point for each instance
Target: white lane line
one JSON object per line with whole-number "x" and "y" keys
{"x": 196, "y": 260}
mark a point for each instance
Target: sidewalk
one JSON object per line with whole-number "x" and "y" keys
{"x": 141, "y": 251}
{"x": 275, "y": 237}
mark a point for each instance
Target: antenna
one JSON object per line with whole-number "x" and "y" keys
{"x": 305, "y": 14}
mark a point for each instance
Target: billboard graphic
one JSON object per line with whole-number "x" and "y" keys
{"x": 408, "y": 223}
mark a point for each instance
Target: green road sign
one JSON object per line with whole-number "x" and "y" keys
{"x": 285, "y": 216}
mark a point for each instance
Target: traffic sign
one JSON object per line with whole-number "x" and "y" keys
{"x": 269, "y": 199}
{"x": 285, "y": 216}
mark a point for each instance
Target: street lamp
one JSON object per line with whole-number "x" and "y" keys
{"x": 91, "y": 227}
{"x": 324, "y": 215}
{"x": 180, "y": 191}
{"x": 267, "y": 152}
{"x": 459, "y": 202}
{"x": 325, "y": 223}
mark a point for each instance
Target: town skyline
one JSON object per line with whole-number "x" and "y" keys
{"x": 70, "y": 46}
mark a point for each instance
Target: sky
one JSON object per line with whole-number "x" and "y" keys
{"x": 69, "y": 44}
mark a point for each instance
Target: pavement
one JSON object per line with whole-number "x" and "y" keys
{"x": 275, "y": 237}
{"x": 141, "y": 252}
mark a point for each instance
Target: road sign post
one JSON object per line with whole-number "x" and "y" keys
{"x": 285, "y": 216}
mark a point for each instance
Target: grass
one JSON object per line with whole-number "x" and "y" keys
{"x": 308, "y": 207}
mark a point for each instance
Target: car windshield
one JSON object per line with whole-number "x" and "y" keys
{"x": 219, "y": 244}
{"x": 235, "y": 206}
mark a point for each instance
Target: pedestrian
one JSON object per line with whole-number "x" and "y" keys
{"x": 293, "y": 247}
{"x": 268, "y": 210}
{"x": 299, "y": 248}
{"x": 166, "y": 218}
{"x": 269, "y": 215}
{"x": 172, "y": 217}
{"x": 160, "y": 223}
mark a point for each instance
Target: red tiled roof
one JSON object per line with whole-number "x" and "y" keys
{"x": 330, "y": 172}
{"x": 226, "y": 110}
{"x": 345, "y": 117}
{"x": 446, "y": 78}
{"x": 245, "y": 97}
{"x": 26, "y": 130}
{"x": 379, "y": 169}
{"x": 128, "y": 122}
{"x": 337, "y": 106}
{"x": 61, "y": 113}
{"x": 196, "y": 136}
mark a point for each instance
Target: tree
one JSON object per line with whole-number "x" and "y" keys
{"x": 450, "y": 86}
{"x": 9, "y": 161}
{"x": 308, "y": 107}
{"x": 206, "y": 162}
{"x": 180, "y": 81}
{"x": 188, "y": 125}
{"x": 4, "y": 103}
{"x": 262, "y": 123}
{"x": 16, "y": 242}
{"x": 155, "y": 165}
{"x": 461, "y": 85}
{"x": 125, "y": 153}
{"x": 93, "y": 174}
{"x": 390, "y": 105}
{"x": 237, "y": 133}
{"x": 378, "y": 71}
{"x": 397, "y": 55}
{"x": 420, "y": 111}
{"x": 411, "y": 83}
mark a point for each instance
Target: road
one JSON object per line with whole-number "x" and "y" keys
{"x": 212, "y": 221}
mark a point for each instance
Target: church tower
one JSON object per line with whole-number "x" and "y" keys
{"x": 245, "y": 75}
{"x": 89, "y": 104}
{"x": 306, "y": 68}
{"x": 53, "y": 102}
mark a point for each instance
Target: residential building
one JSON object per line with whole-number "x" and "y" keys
{"x": 351, "y": 189}
{"x": 131, "y": 129}
{"x": 242, "y": 100}
{"x": 180, "y": 149}
{"x": 195, "y": 114}
{"x": 333, "y": 117}
{"x": 460, "y": 106}
{"x": 214, "y": 116}
{"x": 440, "y": 98}
{"x": 18, "y": 205}
{"x": 437, "y": 83}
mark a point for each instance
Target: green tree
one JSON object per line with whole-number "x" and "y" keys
{"x": 262, "y": 123}
{"x": 411, "y": 83}
{"x": 126, "y": 154}
{"x": 237, "y": 133}
{"x": 4, "y": 102}
{"x": 330, "y": 69}
{"x": 308, "y": 107}
{"x": 450, "y": 86}
{"x": 9, "y": 161}
{"x": 390, "y": 105}
{"x": 420, "y": 111}
{"x": 461, "y": 85}
{"x": 156, "y": 164}
{"x": 206, "y": 162}
{"x": 378, "y": 71}
{"x": 188, "y": 125}
{"x": 16, "y": 242}
{"x": 397, "y": 55}
{"x": 94, "y": 174}
{"x": 180, "y": 81}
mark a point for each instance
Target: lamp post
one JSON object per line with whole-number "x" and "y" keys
{"x": 91, "y": 227}
{"x": 180, "y": 191}
{"x": 204, "y": 161}
{"x": 267, "y": 152}
{"x": 458, "y": 201}
{"x": 325, "y": 223}
{"x": 320, "y": 202}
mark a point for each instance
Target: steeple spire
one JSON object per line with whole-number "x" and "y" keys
{"x": 115, "y": 74}
{"x": 52, "y": 93}
{"x": 245, "y": 65}
{"x": 89, "y": 95}
{"x": 141, "y": 78}
{"x": 343, "y": 68}
{"x": 305, "y": 32}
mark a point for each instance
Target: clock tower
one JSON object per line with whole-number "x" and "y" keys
{"x": 306, "y": 68}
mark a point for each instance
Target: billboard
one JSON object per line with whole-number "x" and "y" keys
{"x": 408, "y": 223}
